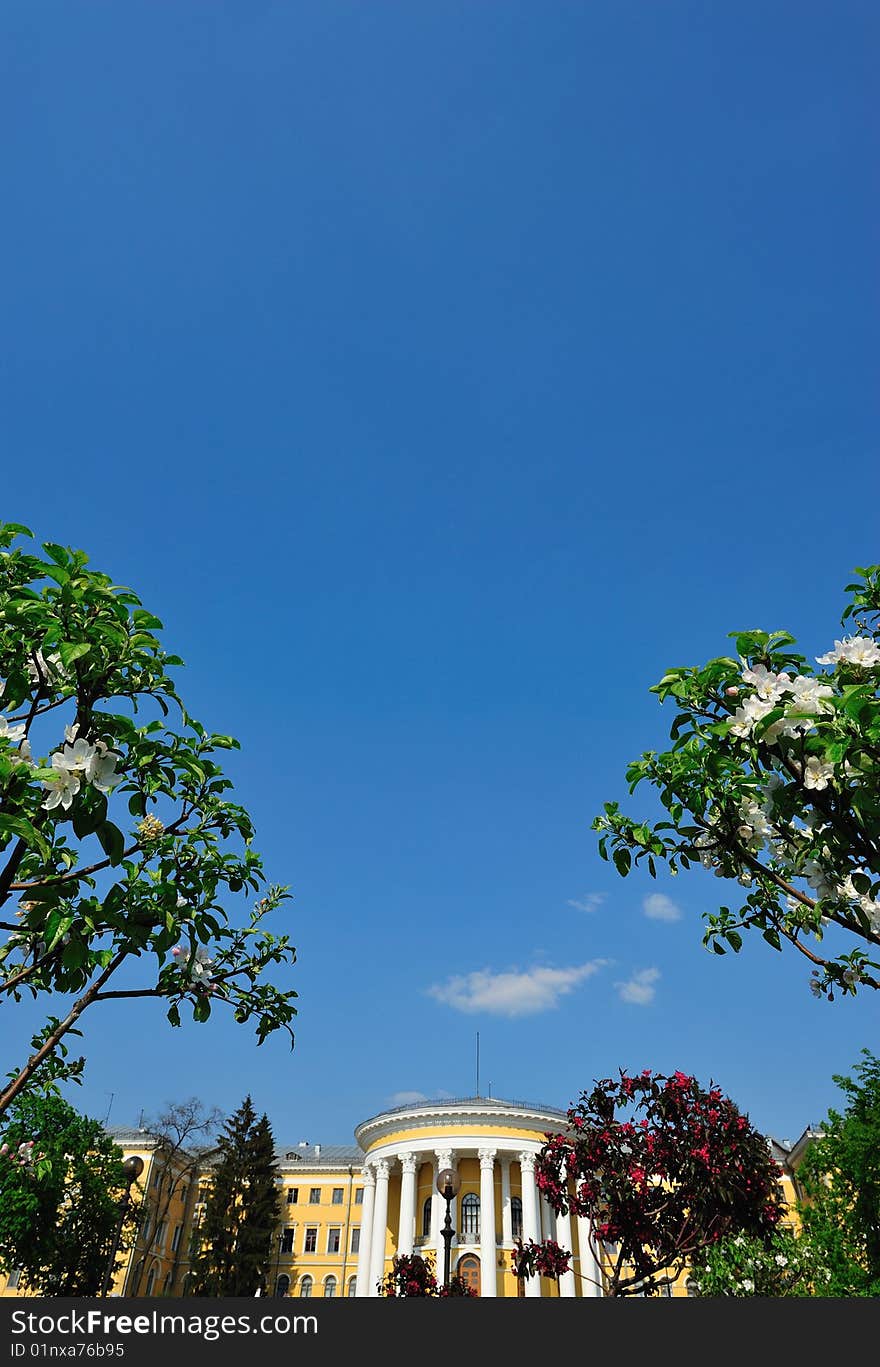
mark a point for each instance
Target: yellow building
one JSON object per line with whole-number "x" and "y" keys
{"x": 346, "y": 1211}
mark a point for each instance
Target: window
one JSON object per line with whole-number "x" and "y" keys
{"x": 305, "y": 1288}
{"x": 145, "y": 1227}
{"x": 427, "y": 1210}
{"x": 314, "y": 1196}
{"x": 352, "y": 1286}
{"x": 333, "y": 1236}
{"x": 14, "y": 1279}
{"x": 470, "y": 1215}
{"x": 157, "y": 1180}
{"x": 175, "y": 1238}
{"x": 311, "y": 1240}
{"x": 691, "y": 1287}
{"x": 166, "y": 1285}
{"x": 160, "y": 1233}
{"x": 516, "y": 1216}
{"x": 336, "y": 1198}
{"x": 282, "y": 1286}
{"x": 330, "y": 1287}
{"x": 151, "y": 1280}
{"x": 356, "y": 1240}
{"x": 293, "y": 1196}
{"x": 184, "y": 1191}
{"x": 359, "y": 1196}
{"x": 287, "y": 1239}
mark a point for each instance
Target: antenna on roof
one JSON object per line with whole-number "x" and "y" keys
{"x": 107, "y": 1116}
{"x": 478, "y": 1063}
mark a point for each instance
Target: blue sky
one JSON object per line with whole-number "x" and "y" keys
{"x": 439, "y": 373}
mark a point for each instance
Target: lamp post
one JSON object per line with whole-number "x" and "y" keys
{"x": 448, "y": 1184}
{"x": 131, "y": 1170}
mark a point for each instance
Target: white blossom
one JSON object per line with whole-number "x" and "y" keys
{"x": 753, "y": 710}
{"x": 817, "y": 774}
{"x": 100, "y": 767}
{"x": 768, "y": 686}
{"x": 61, "y": 789}
{"x": 198, "y": 963}
{"x": 854, "y": 650}
{"x": 10, "y": 733}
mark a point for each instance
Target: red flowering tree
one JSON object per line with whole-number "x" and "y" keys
{"x": 662, "y": 1169}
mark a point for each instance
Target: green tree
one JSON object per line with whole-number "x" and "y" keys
{"x": 840, "y": 1180}
{"x": 119, "y": 845}
{"x": 242, "y": 1211}
{"x": 58, "y": 1216}
{"x": 772, "y": 781}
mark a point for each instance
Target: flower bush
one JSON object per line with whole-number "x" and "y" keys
{"x": 413, "y": 1275}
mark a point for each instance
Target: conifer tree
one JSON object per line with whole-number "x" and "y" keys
{"x": 242, "y": 1211}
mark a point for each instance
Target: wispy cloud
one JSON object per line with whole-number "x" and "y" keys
{"x": 591, "y": 901}
{"x": 661, "y": 908}
{"x": 406, "y": 1098}
{"x": 512, "y": 993}
{"x": 639, "y": 990}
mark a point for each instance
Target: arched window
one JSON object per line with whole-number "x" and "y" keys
{"x": 469, "y": 1271}
{"x": 516, "y": 1216}
{"x": 470, "y": 1214}
{"x": 151, "y": 1280}
{"x": 282, "y": 1286}
{"x": 330, "y": 1287}
{"x": 427, "y": 1211}
{"x": 305, "y": 1288}
{"x": 352, "y": 1285}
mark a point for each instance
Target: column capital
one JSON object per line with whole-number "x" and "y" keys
{"x": 383, "y": 1168}
{"x": 487, "y": 1158}
{"x": 369, "y": 1175}
{"x": 527, "y": 1162}
{"x": 409, "y": 1161}
{"x": 444, "y": 1158}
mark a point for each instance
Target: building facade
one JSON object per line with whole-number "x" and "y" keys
{"x": 347, "y": 1211}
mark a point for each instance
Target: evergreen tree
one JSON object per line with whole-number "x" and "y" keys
{"x": 242, "y": 1211}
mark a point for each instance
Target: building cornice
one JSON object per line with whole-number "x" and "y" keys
{"x": 475, "y": 1113}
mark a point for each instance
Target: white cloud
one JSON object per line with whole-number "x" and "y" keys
{"x": 406, "y": 1098}
{"x": 661, "y": 908}
{"x": 512, "y": 993}
{"x": 591, "y": 901}
{"x": 639, "y": 991}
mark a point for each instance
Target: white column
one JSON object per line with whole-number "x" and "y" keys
{"x": 589, "y": 1267}
{"x": 380, "y": 1225}
{"x": 488, "y": 1270}
{"x": 563, "y": 1238}
{"x": 506, "y": 1207}
{"x": 406, "y": 1229}
{"x": 445, "y": 1159}
{"x": 548, "y": 1219}
{"x": 530, "y": 1213}
{"x": 366, "y": 1239}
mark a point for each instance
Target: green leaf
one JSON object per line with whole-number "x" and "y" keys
{"x": 622, "y": 862}
{"x": 72, "y": 650}
{"x": 112, "y": 842}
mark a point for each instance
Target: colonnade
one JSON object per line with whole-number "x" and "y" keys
{"x": 538, "y": 1220}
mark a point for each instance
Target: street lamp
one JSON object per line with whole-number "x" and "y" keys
{"x": 448, "y": 1184}
{"x": 131, "y": 1170}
